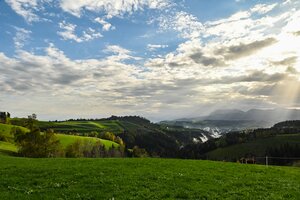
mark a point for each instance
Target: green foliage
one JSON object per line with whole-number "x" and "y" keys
{"x": 139, "y": 153}
{"x": 90, "y": 149}
{"x": 258, "y": 147}
{"x": 59, "y": 178}
{"x": 66, "y": 140}
{"x": 37, "y": 145}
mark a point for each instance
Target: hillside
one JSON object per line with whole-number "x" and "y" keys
{"x": 6, "y": 129}
{"x": 23, "y": 178}
{"x": 66, "y": 140}
{"x": 7, "y": 148}
{"x": 257, "y": 148}
{"x": 158, "y": 140}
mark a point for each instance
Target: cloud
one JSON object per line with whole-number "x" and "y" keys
{"x": 243, "y": 60}
{"x": 105, "y": 25}
{"x": 154, "y": 47}
{"x": 242, "y": 49}
{"x": 68, "y": 33}
{"x": 25, "y": 8}
{"x": 263, "y": 8}
{"x": 297, "y": 33}
{"x": 21, "y": 37}
{"x": 119, "y": 53}
{"x": 186, "y": 24}
{"x": 116, "y": 8}
{"x": 290, "y": 61}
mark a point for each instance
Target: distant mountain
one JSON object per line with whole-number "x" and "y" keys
{"x": 227, "y": 120}
{"x": 272, "y": 115}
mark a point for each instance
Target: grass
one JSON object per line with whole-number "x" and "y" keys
{"x": 257, "y": 147}
{"x": 7, "y": 148}
{"x": 83, "y": 126}
{"x": 5, "y": 130}
{"x": 23, "y": 178}
{"x": 66, "y": 140}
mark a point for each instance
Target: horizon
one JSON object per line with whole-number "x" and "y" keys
{"x": 286, "y": 115}
{"x": 159, "y": 59}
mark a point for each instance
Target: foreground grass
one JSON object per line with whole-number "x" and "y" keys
{"x": 22, "y": 178}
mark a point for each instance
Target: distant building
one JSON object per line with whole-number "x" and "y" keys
{"x": 4, "y": 116}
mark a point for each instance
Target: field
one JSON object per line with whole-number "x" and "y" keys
{"x": 5, "y": 131}
{"x": 7, "y": 148}
{"x": 66, "y": 140}
{"x": 23, "y": 178}
{"x": 257, "y": 147}
{"x": 83, "y": 126}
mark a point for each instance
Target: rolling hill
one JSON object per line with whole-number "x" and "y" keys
{"x": 66, "y": 140}
{"x": 135, "y": 131}
{"x": 257, "y": 148}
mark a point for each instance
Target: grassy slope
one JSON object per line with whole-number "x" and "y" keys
{"x": 257, "y": 147}
{"x": 23, "y": 178}
{"x": 69, "y": 139}
{"x": 7, "y": 148}
{"x": 6, "y": 128}
{"x": 83, "y": 126}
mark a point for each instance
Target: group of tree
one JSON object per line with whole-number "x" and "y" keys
{"x": 284, "y": 154}
{"x": 89, "y": 149}
{"x": 36, "y": 144}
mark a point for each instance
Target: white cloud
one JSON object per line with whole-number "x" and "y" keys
{"x": 186, "y": 24}
{"x": 21, "y": 37}
{"x": 68, "y": 33}
{"x": 106, "y": 26}
{"x": 263, "y": 8}
{"x": 119, "y": 53}
{"x": 25, "y": 8}
{"x": 116, "y": 8}
{"x": 225, "y": 62}
{"x": 153, "y": 47}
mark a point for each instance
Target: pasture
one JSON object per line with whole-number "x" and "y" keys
{"x": 82, "y": 178}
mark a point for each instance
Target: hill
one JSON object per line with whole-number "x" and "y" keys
{"x": 23, "y": 178}
{"x": 66, "y": 140}
{"x": 257, "y": 148}
{"x": 281, "y": 142}
{"x": 7, "y": 148}
{"x": 158, "y": 140}
{"x": 6, "y": 131}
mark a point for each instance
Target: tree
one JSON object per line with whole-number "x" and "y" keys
{"x": 74, "y": 150}
{"x": 139, "y": 153}
{"x": 37, "y": 145}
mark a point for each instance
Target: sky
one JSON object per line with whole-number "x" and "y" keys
{"x": 161, "y": 59}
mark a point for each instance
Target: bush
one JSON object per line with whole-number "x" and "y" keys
{"x": 38, "y": 145}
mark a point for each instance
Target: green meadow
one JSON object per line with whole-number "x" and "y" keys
{"x": 66, "y": 140}
{"x": 83, "y": 178}
{"x": 83, "y": 126}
